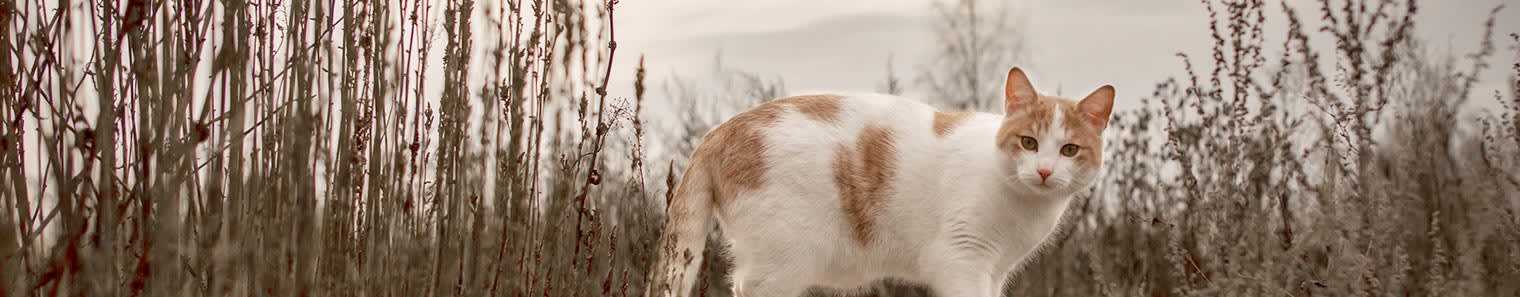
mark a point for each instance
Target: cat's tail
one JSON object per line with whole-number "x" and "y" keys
{"x": 687, "y": 222}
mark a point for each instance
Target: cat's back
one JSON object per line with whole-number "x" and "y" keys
{"x": 856, "y": 146}
{"x": 805, "y": 123}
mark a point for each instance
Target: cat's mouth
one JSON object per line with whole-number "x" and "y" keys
{"x": 1045, "y": 186}
{"x": 1035, "y": 184}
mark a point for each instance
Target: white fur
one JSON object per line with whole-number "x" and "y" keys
{"x": 961, "y": 217}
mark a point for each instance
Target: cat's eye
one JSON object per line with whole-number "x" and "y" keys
{"x": 1028, "y": 142}
{"x": 1069, "y": 150}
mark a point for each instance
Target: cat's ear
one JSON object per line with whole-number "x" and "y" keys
{"x": 1018, "y": 92}
{"x": 1097, "y": 106}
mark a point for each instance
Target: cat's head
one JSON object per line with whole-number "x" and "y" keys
{"x": 1054, "y": 145}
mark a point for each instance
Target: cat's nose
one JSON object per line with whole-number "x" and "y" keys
{"x": 1044, "y": 173}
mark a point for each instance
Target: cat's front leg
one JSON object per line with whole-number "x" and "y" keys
{"x": 966, "y": 277}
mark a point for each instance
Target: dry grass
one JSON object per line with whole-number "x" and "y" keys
{"x": 1355, "y": 171}
{"x": 311, "y": 148}
{"x": 299, "y": 148}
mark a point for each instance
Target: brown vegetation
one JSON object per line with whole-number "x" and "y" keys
{"x": 1352, "y": 172}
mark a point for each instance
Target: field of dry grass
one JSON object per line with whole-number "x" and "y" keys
{"x": 332, "y": 148}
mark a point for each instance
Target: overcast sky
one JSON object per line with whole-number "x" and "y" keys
{"x": 1076, "y": 45}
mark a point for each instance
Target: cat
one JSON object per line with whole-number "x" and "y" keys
{"x": 840, "y": 191}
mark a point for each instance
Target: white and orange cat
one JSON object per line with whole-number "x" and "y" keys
{"x": 837, "y": 192}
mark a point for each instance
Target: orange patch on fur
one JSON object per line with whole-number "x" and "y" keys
{"x": 863, "y": 175}
{"x": 1031, "y": 120}
{"x": 946, "y": 122}
{"x": 822, "y": 108}
{"x": 1083, "y": 134}
{"x": 734, "y": 152}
